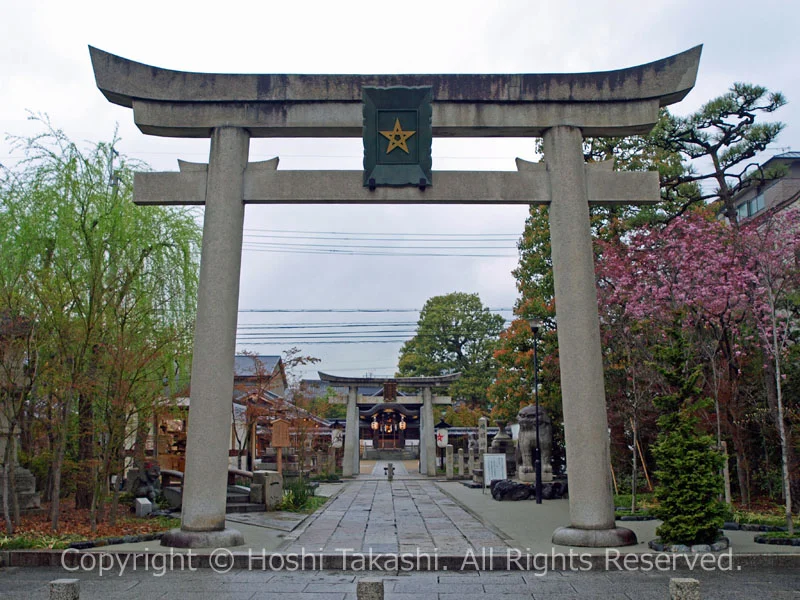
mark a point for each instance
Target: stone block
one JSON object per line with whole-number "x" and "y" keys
{"x": 369, "y": 589}
{"x": 172, "y": 494}
{"x": 143, "y": 507}
{"x": 273, "y": 489}
{"x": 256, "y": 493}
{"x": 65, "y": 589}
{"x": 684, "y": 589}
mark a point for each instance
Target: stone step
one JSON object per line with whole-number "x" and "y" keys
{"x": 237, "y": 498}
{"x": 246, "y": 507}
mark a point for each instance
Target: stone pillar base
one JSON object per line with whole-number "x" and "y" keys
{"x": 225, "y": 538}
{"x": 594, "y": 538}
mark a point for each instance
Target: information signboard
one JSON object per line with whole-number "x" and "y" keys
{"x": 280, "y": 434}
{"x": 494, "y": 467}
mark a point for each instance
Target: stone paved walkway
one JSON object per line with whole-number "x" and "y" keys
{"x": 380, "y": 466}
{"x": 402, "y": 516}
{"x": 32, "y": 584}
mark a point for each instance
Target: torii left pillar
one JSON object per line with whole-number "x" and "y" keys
{"x": 206, "y": 477}
{"x": 351, "y": 463}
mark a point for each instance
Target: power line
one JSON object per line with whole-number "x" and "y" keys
{"x": 310, "y": 343}
{"x": 372, "y": 246}
{"x": 280, "y": 250}
{"x": 349, "y": 310}
{"x": 326, "y": 325}
{"x": 510, "y": 235}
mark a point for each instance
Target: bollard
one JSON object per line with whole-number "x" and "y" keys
{"x": 389, "y": 470}
{"x": 67, "y": 589}
{"x": 684, "y": 589}
{"x": 369, "y": 589}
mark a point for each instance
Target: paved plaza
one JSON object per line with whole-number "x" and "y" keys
{"x": 411, "y": 515}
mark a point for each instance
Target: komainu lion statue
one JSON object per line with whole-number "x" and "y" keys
{"x": 526, "y": 443}
{"x": 148, "y": 482}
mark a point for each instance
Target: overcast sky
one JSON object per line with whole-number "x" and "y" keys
{"x": 46, "y": 68}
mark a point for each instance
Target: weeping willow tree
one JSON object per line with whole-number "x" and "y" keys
{"x": 110, "y": 289}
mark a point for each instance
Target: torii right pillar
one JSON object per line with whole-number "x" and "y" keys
{"x": 591, "y": 503}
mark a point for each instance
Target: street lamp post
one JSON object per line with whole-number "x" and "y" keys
{"x": 537, "y": 463}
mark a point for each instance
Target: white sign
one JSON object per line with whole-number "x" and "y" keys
{"x": 441, "y": 438}
{"x": 494, "y": 467}
{"x": 337, "y": 438}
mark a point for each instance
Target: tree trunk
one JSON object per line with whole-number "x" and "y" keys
{"x": 726, "y": 474}
{"x": 58, "y": 463}
{"x": 120, "y": 469}
{"x": 83, "y": 493}
{"x": 142, "y": 425}
{"x": 12, "y": 491}
{"x": 741, "y": 473}
{"x": 772, "y": 374}
{"x": 6, "y": 488}
{"x": 634, "y": 426}
{"x": 794, "y": 471}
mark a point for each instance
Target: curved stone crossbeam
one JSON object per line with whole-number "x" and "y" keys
{"x": 183, "y": 104}
{"x": 410, "y": 381}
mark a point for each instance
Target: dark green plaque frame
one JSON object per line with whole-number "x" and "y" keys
{"x": 383, "y": 107}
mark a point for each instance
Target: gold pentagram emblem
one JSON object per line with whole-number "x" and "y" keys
{"x": 397, "y": 137}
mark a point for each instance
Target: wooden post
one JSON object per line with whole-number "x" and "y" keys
{"x": 280, "y": 439}
{"x": 253, "y": 446}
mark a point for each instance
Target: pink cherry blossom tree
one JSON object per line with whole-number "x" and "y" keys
{"x": 689, "y": 272}
{"x": 772, "y": 248}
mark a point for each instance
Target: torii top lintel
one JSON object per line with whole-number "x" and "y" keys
{"x": 181, "y": 104}
{"x": 430, "y": 381}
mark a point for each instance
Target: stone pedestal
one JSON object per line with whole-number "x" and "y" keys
{"x": 528, "y": 474}
{"x": 25, "y": 482}
{"x": 477, "y": 473}
{"x": 223, "y": 538}
{"x": 503, "y": 444}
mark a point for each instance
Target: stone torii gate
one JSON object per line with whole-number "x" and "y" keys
{"x": 562, "y": 108}
{"x": 426, "y": 401}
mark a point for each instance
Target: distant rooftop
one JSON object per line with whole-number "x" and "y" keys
{"x": 245, "y": 366}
